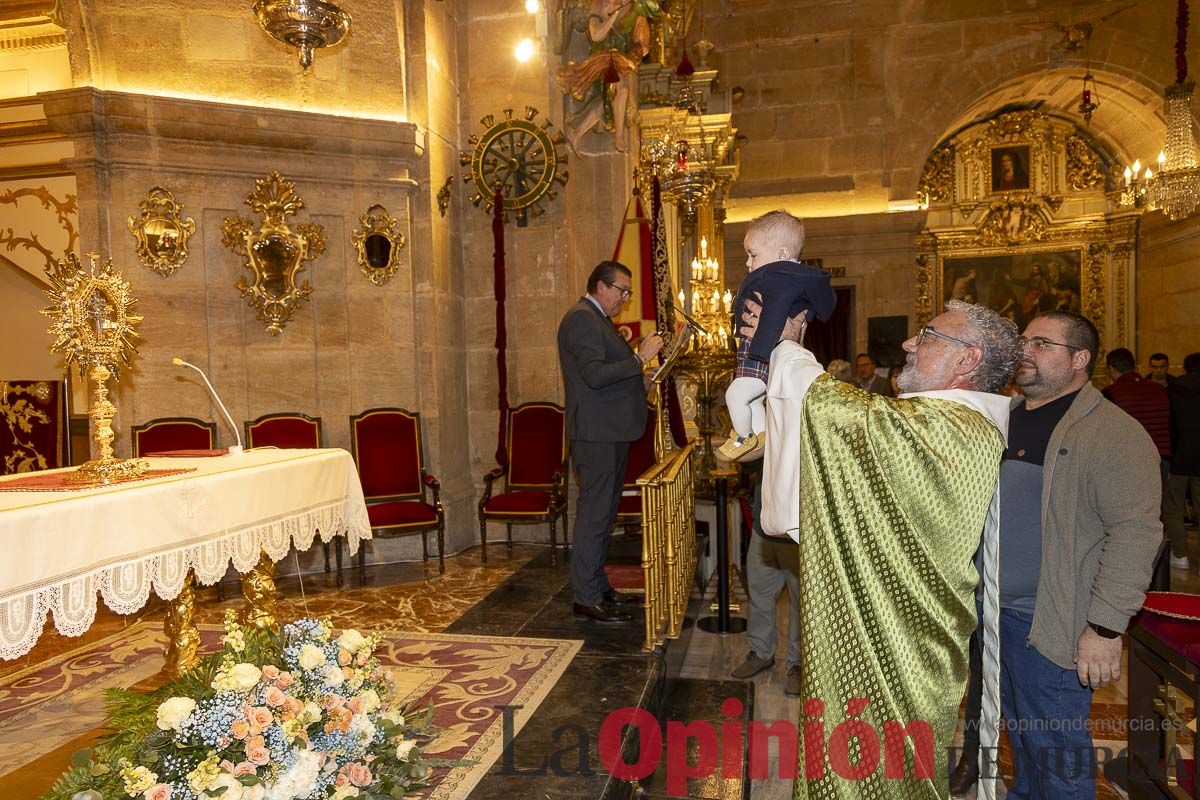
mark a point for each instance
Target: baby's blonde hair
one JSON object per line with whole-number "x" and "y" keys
{"x": 781, "y": 229}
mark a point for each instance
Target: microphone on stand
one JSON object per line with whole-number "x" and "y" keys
{"x": 235, "y": 450}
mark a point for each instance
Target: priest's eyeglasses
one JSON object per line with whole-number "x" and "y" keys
{"x": 929, "y": 330}
{"x": 624, "y": 292}
{"x": 1040, "y": 343}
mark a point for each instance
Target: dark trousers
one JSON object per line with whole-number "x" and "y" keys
{"x": 970, "y": 751}
{"x": 600, "y": 469}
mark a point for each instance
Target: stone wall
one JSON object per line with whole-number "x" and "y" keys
{"x": 1168, "y": 290}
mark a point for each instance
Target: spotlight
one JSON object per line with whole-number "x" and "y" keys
{"x": 533, "y": 6}
{"x": 524, "y": 50}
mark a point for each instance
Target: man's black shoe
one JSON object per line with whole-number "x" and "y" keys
{"x": 600, "y": 613}
{"x": 615, "y": 598}
{"x": 964, "y": 776}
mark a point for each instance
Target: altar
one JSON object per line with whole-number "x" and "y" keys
{"x": 64, "y": 546}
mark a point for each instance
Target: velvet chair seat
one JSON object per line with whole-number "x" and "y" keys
{"x": 535, "y": 477}
{"x": 402, "y": 498}
{"x": 172, "y": 433}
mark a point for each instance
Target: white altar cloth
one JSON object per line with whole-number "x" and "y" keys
{"x": 58, "y": 549}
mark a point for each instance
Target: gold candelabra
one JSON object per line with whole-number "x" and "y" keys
{"x": 93, "y": 326}
{"x": 709, "y": 360}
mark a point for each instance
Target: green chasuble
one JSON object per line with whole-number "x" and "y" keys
{"x": 894, "y": 497}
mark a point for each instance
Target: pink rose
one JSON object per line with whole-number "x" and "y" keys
{"x": 274, "y": 696}
{"x": 240, "y": 729}
{"x": 294, "y": 705}
{"x": 359, "y": 774}
{"x": 355, "y": 704}
{"x": 284, "y": 680}
{"x": 159, "y": 791}
{"x": 260, "y": 717}
{"x": 256, "y": 751}
{"x": 270, "y": 672}
{"x": 341, "y": 779}
{"x": 343, "y": 657}
{"x": 347, "y": 673}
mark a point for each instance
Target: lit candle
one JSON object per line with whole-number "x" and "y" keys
{"x": 1128, "y": 175}
{"x": 681, "y": 302}
{"x": 728, "y": 301}
{"x": 1149, "y": 174}
{"x": 703, "y": 247}
{"x": 695, "y": 299}
{"x": 697, "y": 268}
{"x": 1137, "y": 166}
{"x": 1162, "y": 159}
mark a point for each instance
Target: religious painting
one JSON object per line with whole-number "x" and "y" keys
{"x": 1016, "y": 286}
{"x": 1010, "y": 168}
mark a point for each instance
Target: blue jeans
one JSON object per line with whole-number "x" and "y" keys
{"x": 1046, "y": 714}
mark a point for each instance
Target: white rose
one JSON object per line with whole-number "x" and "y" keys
{"x": 404, "y": 748}
{"x": 311, "y": 656}
{"x": 244, "y": 676}
{"x": 173, "y": 712}
{"x": 351, "y": 640}
{"x": 298, "y": 780}
{"x": 369, "y": 701}
{"x": 394, "y": 716}
{"x": 333, "y": 676}
{"x": 361, "y": 725}
{"x": 312, "y": 712}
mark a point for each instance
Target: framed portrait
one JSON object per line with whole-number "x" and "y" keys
{"x": 1017, "y": 286}
{"x": 1010, "y": 168}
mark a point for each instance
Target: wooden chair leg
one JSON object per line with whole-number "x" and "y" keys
{"x": 362, "y": 564}
{"x": 441, "y": 533}
{"x": 509, "y": 527}
{"x": 424, "y": 546}
{"x": 328, "y": 573}
{"x": 553, "y": 542}
{"x": 483, "y": 537}
{"x": 341, "y": 581}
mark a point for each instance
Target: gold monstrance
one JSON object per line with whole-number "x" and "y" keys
{"x": 93, "y": 326}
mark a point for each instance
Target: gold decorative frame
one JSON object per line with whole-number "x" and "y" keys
{"x": 274, "y": 253}
{"x": 378, "y": 241}
{"x": 162, "y": 235}
{"x": 1057, "y": 213}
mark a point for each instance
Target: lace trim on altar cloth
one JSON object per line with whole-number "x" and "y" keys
{"x": 125, "y": 586}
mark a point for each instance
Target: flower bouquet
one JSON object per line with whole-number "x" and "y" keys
{"x": 273, "y": 716}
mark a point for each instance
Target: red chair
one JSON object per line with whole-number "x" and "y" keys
{"x": 535, "y": 479}
{"x": 288, "y": 431}
{"x": 641, "y": 458}
{"x": 386, "y": 444}
{"x": 173, "y": 433}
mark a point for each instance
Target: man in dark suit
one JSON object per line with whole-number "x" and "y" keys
{"x": 606, "y": 410}
{"x": 867, "y": 379}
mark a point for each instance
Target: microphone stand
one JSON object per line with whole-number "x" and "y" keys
{"x": 234, "y": 450}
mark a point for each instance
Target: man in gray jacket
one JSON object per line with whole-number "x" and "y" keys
{"x": 1079, "y": 530}
{"x": 606, "y": 410}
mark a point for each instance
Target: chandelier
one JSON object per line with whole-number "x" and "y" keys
{"x": 303, "y": 24}
{"x": 1175, "y": 190}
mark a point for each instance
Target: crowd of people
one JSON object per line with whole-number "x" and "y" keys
{"x": 885, "y": 507}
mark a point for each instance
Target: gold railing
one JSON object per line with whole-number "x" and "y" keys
{"x": 668, "y": 543}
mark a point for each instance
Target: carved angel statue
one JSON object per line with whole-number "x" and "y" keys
{"x": 619, "y": 33}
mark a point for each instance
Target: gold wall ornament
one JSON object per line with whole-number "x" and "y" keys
{"x": 303, "y": 24}
{"x": 522, "y": 157}
{"x": 443, "y": 196}
{"x": 274, "y": 252}
{"x": 1014, "y": 220}
{"x": 1084, "y": 170}
{"x": 93, "y": 326}
{"x": 161, "y": 233}
{"x": 937, "y": 179}
{"x": 378, "y": 244}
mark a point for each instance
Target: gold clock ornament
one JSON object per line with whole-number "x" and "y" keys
{"x": 93, "y": 325}
{"x": 521, "y": 158}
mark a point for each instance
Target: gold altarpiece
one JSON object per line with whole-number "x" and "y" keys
{"x": 1019, "y": 220}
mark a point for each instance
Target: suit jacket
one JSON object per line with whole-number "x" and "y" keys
{"x": 606, "y": 401}
{"x": 878, "y": 385}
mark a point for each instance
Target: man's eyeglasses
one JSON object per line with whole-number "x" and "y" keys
{"x": 929, "y": 330}
{"x": 624, "y": 291}
{"x": 1040, "y": 343}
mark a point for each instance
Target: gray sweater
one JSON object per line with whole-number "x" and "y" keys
{"x": 1100, "y": 525}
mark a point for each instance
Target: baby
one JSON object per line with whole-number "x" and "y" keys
{"x": 783, "y": 287}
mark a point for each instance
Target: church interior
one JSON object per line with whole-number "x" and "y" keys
{"x": 314, "y": 254}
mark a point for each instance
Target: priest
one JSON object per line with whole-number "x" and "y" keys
{"x": 888, "y": 499}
